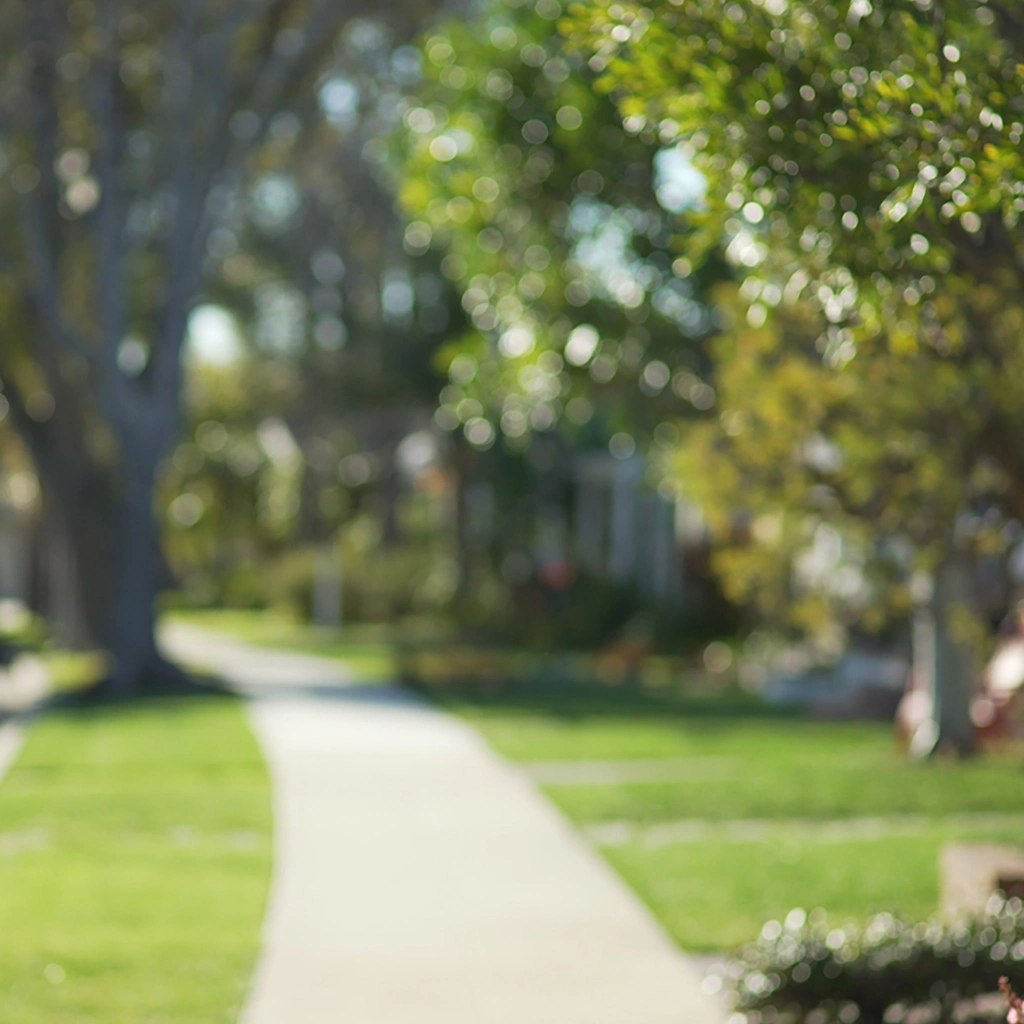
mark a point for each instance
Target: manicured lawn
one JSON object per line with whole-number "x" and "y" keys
{"x": 774, "y": 789}
{"x": 366, "y": 649}
{"x": 577, "y": 724}
{"x": 716, "y": 891}
{"x": 751, "y": 767}
{"x": 749, "y": 762}
{"x": 717, "y": 894}
{"x": 135, "y": 847}
{"x": 614, "y": 728}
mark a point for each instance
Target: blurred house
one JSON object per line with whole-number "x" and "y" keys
{"x": 584, "y": 516}
{"x": 625, "y": 531}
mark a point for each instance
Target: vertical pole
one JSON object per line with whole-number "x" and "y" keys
{"x": 589, "y": 526}
{"x": 622, "y": 556}
{"x": 954, "y": 656}
{"x": 327, "y": 589}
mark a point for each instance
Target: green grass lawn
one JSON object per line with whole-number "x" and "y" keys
{"x": 566, "y": 729}
{"x": 366, "y": 649}
{"x": 135, "y": 847}
{"x": 771, "y": 788}
{"x": 587, "y": 725}
{"x": 716, "y": 892}
{"x": 760, "y": 767}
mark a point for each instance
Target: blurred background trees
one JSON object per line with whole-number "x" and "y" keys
{"x": 133, "y": 133}
{"x": 863, "y": 173}
{"x": 585, "y": 339}
{"x": 657, "y": 320}
{"x": 616, "y": 372}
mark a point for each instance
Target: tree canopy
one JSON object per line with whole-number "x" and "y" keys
{"x": 516, "y": 169}
{"x": 864, "y": 178}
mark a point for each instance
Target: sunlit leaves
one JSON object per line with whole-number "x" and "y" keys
{"x": 524, "y": 177}
{"x": 865, "y": 178}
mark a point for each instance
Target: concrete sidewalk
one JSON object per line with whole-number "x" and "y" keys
{"x": 419, "y": 879}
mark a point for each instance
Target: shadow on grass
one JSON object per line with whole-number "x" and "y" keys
{"x": 92, "y": 698}
{"x": 195, "y": 685}
{"x": 97, "y": 694}
{"x": 351, "y": 693}
{"x": 571, "y": 699}
{"x": 548, "y": 692}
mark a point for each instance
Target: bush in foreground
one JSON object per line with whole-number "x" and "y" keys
{"x": 891, "y": 972}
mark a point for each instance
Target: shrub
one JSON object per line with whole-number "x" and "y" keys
{"x": 891, "y": 972}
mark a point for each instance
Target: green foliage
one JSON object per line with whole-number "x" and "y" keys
{"x": 250, "y": 508}
{"x": 865, "y": 179}
{"x": 846, "y": 474}
{"x": 905, "y": 119}
{"x": 224, "y": 499}
{"x": 380, "y": 584}
{"x": 891, "y": 970}
{"x": 521, "y": 173}
{"x": 20, "y": 629}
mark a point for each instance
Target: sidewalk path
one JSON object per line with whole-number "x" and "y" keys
{"x": 419, "y": 879}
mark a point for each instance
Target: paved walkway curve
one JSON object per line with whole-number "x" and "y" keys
{"x": 419, "y": 879}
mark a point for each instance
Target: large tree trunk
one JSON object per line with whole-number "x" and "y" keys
{"x": 93, "y": 530}
{"x": 78, "y": 522}
{"x": 131, "y": 638}
{"x": 103, "y": 516}
{"x": 130, "y": 635}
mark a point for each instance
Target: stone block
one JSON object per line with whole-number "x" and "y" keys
{"x": 970, "y": 873}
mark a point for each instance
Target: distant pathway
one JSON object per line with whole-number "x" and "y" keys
{"x": 419, "y": 879}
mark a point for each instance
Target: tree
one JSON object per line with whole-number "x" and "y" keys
{"x": 129, "y": 130}
{"x": 546, "y": 211}
{"x": 557, "y": 229}
{"x": 327, "y": 301}
{"x": 863, "y": 165}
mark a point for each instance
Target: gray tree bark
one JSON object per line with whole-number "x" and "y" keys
{"x": 99, "y": 449}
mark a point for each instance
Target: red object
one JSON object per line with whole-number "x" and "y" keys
{"x": 556, "y": 574}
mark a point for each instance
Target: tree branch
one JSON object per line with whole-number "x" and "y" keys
{"x": 106, "y": 97}
{"x": 193, "y": 174}
{"x": 26, "y": 427}
{"x": 37, "y": 206}
{"x": 260, "y": 86}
